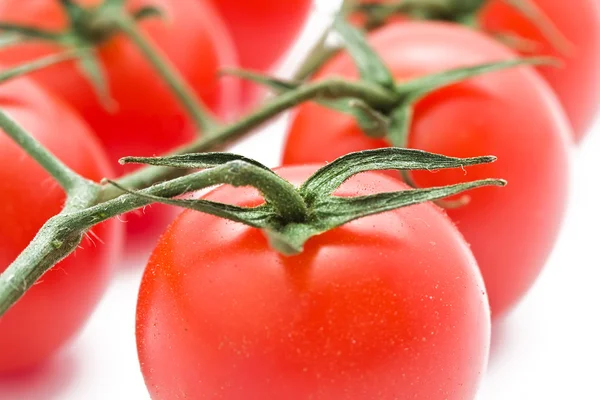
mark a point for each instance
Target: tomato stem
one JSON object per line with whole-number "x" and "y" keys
{"x": 39, "y": 64}
{"x": 61, "y": 234}
{"x": 330, "y": 88}
{"x": 289, "y": 217}
{"x": 182, "y": 90}
{"x": 292, "y": 220}
{"x": 377, "y": 14}
{"x": 45, "y": 251}
{"x": 288, "y": 226}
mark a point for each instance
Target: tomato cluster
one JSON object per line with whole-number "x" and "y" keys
{"x": 393, "y": 305}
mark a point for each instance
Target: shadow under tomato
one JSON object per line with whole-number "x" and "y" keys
{"x": 48, "y": 381}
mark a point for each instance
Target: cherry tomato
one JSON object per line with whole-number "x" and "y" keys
{"x": 573, "y": 38}
{"x": 263, "y": 30}
{"x": 512, "y": 114}
{"x": 57, "y": 307}
{"x": 386, "y": 307}
{"x": 577, "y": 82}
{"x": 147, "y": 119}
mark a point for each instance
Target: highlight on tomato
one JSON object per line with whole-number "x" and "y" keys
{"x": 388, "y": 306}
{"x": 56, "y": 308}
{"x": 143, "y": 116}
{"x": 512, "y": 114}
{"x": 568, "y": 31}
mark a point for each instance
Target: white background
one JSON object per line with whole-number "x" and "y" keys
{"x": 548, "y": 348}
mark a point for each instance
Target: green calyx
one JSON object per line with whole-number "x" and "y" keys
{"x": 372, "y": 69}
{"x": 87, "y": 28}
{"x": 290, "y": 216}
{"x": 391, "y": 121}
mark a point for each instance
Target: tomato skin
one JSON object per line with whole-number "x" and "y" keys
{"x": 511, "y": 114}
{"x": 57, "y": 307}
{"x": 263, "y": 29}
{"x": 390, "y": 306}
{"x": 577, "y": 80}
{"x": 148, "y": 120}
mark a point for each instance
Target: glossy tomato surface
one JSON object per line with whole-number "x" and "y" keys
{"x": 386, "y": 307}
{"x": 146, "y": 119}
{"x": 511, "y": 114}
{"x": 577, "y": 81}
{"x": 566, "y": 30}
{"x": 263, "y": 30}
{"x": 56, "y": 308}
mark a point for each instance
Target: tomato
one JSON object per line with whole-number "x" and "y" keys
{"x": 386, "y": 307}
{"x": 512, "y": 114}
{"x": 148, "y": 119}
{"x": 57, "y": 307}
{"x": 263, "y": 30}
{"x": 577, "y": 81}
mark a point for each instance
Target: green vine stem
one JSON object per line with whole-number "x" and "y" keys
{"x": 285, "y": 217}
{"x": 288, "y": 216}
{"x": 62, "y": 234}
{"x": 39, "y": 64}
{"x": 89, "y": 203}
{"x": 330, "y": 88}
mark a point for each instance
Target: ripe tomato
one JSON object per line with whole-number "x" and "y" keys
{"x": 56, "y": 308}
{"x": 147, "y": 120}
{"x": 577, "y": 81}
{"x": 511, "y": 114}
{"x": 263, "y": 30}
{"x": 386, "y": 307}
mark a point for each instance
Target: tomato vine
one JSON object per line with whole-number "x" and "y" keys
{"x": 290, "y": 215}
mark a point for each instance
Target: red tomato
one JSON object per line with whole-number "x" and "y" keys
{"x": 263, "y": 30}
{"x": 577, "y": 82}
{"x": 56, "y": 308}
{"x": 148, "y": 119}
{"x": 511, "y": 114}
{"x": 386, "y": 307}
